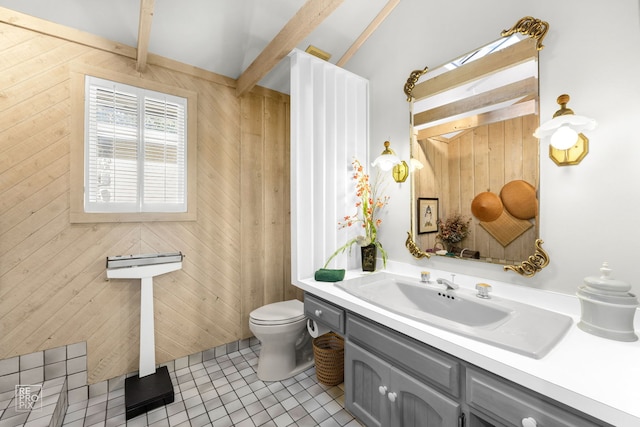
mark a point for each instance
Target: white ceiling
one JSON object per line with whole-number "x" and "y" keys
{"x": 222, "y": 36}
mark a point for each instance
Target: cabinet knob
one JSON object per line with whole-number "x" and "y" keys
{"x": 318, "y": 313}
{"x": 382, "y": 390}
{"x": 529, "y": 422}
{"x": 392, "y": 397}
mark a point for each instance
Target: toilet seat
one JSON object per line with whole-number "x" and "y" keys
{"x": 278, "y": 313}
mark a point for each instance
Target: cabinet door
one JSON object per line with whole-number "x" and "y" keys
{"x": 415, "y": 404}
{"x": 503, "y": 400}
{"x": 364, "y": 374}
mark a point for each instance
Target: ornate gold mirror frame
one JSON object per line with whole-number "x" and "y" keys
{"x": 534, "y": 29}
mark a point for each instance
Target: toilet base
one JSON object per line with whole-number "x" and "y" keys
{"x": 301, "y": 368}
{"x": 272, "y": 375}
{"x": 282, "y": 364}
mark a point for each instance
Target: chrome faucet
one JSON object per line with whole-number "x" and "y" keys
{"x": 450, "y": 285}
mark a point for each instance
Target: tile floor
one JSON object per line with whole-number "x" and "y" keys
{"x": 225, "y": 391}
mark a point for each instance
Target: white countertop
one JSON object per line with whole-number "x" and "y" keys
{"x": 597, "y": 376}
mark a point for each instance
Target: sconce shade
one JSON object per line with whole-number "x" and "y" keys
{"x": 564, "y": 138}
{"x": 387, "y": 159}
{"x": 564, "y": 129}
{"x": 415, "y": 164}
{"x": 567, "y": 143}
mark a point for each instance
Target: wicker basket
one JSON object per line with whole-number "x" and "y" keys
{"x": 328, "y": 350}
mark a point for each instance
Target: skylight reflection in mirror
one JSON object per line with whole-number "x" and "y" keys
{"x": 482, "y": 85}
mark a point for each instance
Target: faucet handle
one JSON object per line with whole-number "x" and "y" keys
{"x": 483, "y": 290}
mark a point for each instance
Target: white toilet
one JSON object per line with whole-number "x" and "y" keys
{"x": 286, "y": 348}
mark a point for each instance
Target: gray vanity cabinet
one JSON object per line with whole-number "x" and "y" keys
{"x": 394, "y": 380}
{"x": 391, "y": 380}
{"x": 380, "y": 395}
{"x": 515, "y": 406}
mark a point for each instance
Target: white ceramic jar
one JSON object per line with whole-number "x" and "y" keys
{"x": 608, "y": 308}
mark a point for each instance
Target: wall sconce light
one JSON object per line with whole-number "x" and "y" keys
{"x": 400, "y": 171}
{"x": 388, "y": 160}
{"x": 567, "y": 144}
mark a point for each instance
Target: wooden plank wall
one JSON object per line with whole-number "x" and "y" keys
{"x": 53, "y": 287}
{"x": 266, "y": 213}
{"x": 482, "y": 159}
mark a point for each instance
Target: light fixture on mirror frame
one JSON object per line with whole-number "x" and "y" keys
{"x": 415, "y": 164}
{"x": 567, "y": 144}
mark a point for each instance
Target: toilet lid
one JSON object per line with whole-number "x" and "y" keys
{"x": 278, "y": 313}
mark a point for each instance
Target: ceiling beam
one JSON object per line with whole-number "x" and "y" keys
{"x": 382, "y": 15}
{"x": 144, "y": 32}
{"x": 49, "y": 28}
{"x": 310, "y": 15}
{"x": 519, "y": 89}
{"x": 521, "y": 52}
{"x": 62, "y": 32}
{"x": 507, "y": 113}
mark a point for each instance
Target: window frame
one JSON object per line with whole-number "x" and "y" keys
{"x": 78, "y": 214}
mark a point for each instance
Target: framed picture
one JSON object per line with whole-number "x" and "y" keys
{"x": 427, "y": 215}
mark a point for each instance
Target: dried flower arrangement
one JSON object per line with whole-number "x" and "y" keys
{"x": 453, "y": 229}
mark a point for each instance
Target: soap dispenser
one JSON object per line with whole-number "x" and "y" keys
{"x": 608, "y": 308}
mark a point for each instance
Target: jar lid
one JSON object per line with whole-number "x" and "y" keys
{"x": 622, "y": 299}
{"x": 605, "y": 285}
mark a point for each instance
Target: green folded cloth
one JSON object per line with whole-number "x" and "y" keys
{"x": 329, "y": 275}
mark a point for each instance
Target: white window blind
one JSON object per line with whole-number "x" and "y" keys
{"x": 135, "y": 149}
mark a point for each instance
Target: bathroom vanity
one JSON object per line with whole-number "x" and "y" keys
{"x": 402, "y": 372}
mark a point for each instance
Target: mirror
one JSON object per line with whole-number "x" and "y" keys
{"x": 472, "y": 124}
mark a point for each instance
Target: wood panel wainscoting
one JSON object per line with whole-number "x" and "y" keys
{"x": 53, "y": 286}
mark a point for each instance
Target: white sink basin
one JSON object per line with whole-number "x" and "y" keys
{"x": 515, "y": 326}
